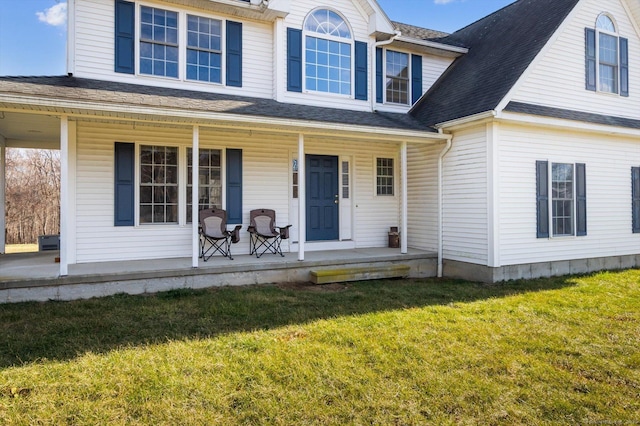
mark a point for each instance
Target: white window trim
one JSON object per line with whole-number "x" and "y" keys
{"x": 223, "y": 177}
{"x": 395, "y": 176}
{"x": 574, "y": 220}
{"x": 384, "y": 78}
{"x": 617, "y": 36}
{"x": 182, "y": 45}
{"x": 351, "y": 43}
{"x": 181, "y": 182}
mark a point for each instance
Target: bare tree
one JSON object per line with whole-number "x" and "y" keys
{"x": 32, "y": 194}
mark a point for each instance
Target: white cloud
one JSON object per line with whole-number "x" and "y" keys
{"x": 443, "y": 1}
{"x": 55, "y": 15}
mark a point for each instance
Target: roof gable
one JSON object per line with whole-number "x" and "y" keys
{"x": 501, "y": 47}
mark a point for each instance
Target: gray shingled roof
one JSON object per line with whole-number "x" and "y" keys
{"x": 501, "y": 47}
{"x": 418, "y": 33}
{"x": 82, "y": 89}
{"x": 566, "y": 114}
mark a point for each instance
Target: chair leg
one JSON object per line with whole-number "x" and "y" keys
{"x": 260, "y": 245}
{"x": 215, "y": 246}
{"x": 228, "y": 242}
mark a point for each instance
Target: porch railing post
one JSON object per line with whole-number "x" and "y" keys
{"x": 302, "y": 197}
{"x": 64, "y": 195}
{"x": 195, "y": 238}
{"x": 404, "y": 208}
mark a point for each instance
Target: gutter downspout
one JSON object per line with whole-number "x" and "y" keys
{"x": 373, "y": 65}
{"x": 444, "y": 152}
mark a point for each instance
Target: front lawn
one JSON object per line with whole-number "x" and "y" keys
{"x": 550, "y": 351}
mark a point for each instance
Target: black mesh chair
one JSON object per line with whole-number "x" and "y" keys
{"x": 214, "y": 237}
{"x": 263, "y": 234}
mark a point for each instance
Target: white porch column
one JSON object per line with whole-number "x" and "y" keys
{"x": 3, "y": 183}
{"x": 64, "y": 196}
{"x": 404, "y": 208}
{"x": 195, "y": 238}
{"x": 302, "y": 197}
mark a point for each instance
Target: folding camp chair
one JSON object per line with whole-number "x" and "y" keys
{"x": 213, "y": 232}
{"x": 264, "y": 237}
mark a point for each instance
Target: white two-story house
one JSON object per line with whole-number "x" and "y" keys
{"x": 511, "y": 148}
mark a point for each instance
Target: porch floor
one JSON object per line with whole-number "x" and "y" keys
{"x": 32, "y": 271}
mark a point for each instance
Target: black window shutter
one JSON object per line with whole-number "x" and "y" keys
{"x": 234, "y": 186}
{"x": 124, "y": 37}
{"x": 379, "y": 80}
{"x": 234, "y": 54}
{"x": 124, "y": 165}
{"x": 624, "y": 67}
{"x": 416, "y": 78}
{"x": 294, "y": 60}
{"x": 590, "y": 57}
{"x": 581, "y": 200}
{"x": 542, "y": 198}
{"x": 635, "y": 199}
{"x": 362, "y": 74}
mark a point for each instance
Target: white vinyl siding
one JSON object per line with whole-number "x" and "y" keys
{"x": 558, "y": 78}
{"x": 359, "y": 26}
{"x": 422, "y": 192}
{"x": 94, "y": 51}
{"x": 266, "y": 184}
{"x": 432, "y": 69}
{"x": 465, "y": 215}
{"x": 609, "y": 160}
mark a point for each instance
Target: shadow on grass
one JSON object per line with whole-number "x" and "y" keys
{"x": 63, "y": 330}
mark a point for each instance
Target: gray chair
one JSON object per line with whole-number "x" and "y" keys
{"x": 213, "y": 232}
{"x": 263, "y": 234}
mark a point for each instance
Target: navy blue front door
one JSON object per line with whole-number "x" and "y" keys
{"x": 322, "y": 198}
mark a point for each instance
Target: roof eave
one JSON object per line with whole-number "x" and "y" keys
{"x": 432, "y": 47}
{"x": 128, "y": 112}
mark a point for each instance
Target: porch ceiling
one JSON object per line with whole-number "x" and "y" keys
{"x": 24, "y": 130}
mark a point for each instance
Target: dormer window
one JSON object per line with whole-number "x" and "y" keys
{"x": 607, "y": 58}
{"x": 328, "y": 47}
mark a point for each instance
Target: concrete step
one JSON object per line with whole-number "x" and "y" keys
{"x": 336, "y": 275}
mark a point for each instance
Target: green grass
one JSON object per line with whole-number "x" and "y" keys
{"x": 550, "y": 351}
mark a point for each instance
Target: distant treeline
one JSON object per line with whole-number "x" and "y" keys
{"x": 32, "y": 194}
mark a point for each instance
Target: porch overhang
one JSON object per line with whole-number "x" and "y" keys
{"x": 164, "y": 112}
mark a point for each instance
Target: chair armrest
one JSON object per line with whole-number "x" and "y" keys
{"x": 235, "y": 234}
{"x": 251, "y": 229}
{"x": 284, "y": 231}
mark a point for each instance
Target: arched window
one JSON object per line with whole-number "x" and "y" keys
{"x": 328, "y": 47}
{"x": 608, "y": 54}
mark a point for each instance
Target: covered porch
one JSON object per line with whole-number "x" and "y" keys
{"x": 35, "y": 276}
{"x": 85, "y": 118}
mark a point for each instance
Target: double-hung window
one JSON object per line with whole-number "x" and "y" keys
{"x": 158, "y": 184}
{"x": 209, "y": 179}
{"x": 635, "y": 199}
{"x": 158, "y": 42}
{"x": 384, "y": 176}
{"x": 607, "y": 61}
{"x": 204, "y": 49}
{"x": 561, "y": 199}
{"x": 397, "y": 74}
{"x": 328, "y": 47}
{"x": 177, "y": 44}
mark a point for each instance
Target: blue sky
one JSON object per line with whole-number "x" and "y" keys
{"x": 33, "y": 32}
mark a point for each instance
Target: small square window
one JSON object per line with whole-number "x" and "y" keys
{"x": 384, "y": 176}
